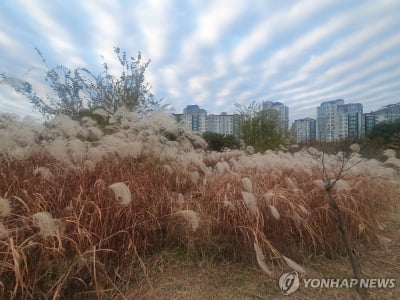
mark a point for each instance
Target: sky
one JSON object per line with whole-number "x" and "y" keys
{"x": 214, "y": 53}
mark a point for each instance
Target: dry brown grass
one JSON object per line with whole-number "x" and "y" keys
{"x": 100, "y": 240}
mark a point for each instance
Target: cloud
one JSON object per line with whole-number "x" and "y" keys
{"x": 345, "y": 70}
{"x": 154, "y": 25}
{"x": 59, "y": 38}
{"x": 215, "y": 53}
{"x": 275, "y": 23}
{"x": 211, "y": 23}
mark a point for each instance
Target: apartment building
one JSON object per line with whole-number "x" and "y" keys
{"x": 388, "y": 113}
{"x": 283, "y": 114}
{"x": 304, "y": 130}
{"x": 195, "y": 118}
{"x": 337, "y": 120}
{"x": 224, "y": 124}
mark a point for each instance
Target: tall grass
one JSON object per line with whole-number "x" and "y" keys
{"x": 74, "y": 227}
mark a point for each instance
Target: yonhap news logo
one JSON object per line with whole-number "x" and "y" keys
{"x": 290, "y": 282}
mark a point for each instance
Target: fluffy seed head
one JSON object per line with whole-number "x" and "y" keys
{"x": 5, "y": 207}
{"x": 3, "y": 232}
{"x": 291, "y": 183}
{"x": 274, "y": 212}
{"x": 181, "y": 199}
{"x": 342, "y": 185}
{"x": 304, "y": 210}
{"x": 250, "y": 202}
{"x": 355, "y": 148}
{"x": 100, "y": 112}
{"x": 228, "y": 203}
{"x": 293, "y": 265}
{"x": 261, "y": 259}
{"x": 121, "y": 192}
{"x": 44, "y": 173}
{"x": 320, "y": 183}
{"x": 46, "y": 223}
{"x": 389, "y": 153}
{"x": 247, "y": 184}
{"x": 190, "y": 216}
{"x": 268, "y": 196}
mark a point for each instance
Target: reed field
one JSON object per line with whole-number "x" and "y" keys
{"x": 82, "y": 205}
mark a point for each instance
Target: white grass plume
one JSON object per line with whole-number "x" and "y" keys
{"x": 304, "y": 210}
{"x": 5, "y": 207}
{"x": 89, "y": 165}
{"x": 268, "y": 196}
{"x": 389, "y": 153}
{"x": 247, "y": 184}
{"x": 274, "y": 212}
{"x": 192, "y": 217}
{"x": 342, "y": 185}
{"x": 3, "y": 232}
{"x": 181, "y": 199}
{"x": 295, "y": 266}
{"x": 261, "y": 259}
{"x": 133, "y": 149}
{"x": 228, "y": 203}
{"x": 393, "y": 161}
{"x": 44, "y": 173}
{"x": 47, "y": 225}
{"x": 100, "y": 112}
{"x": 355, "y": 148}
{"x": 291, "y": 183}
{"x": 320, "y": 183}
{"x": 121, "y": 192}
{"x": 250, "y": 202}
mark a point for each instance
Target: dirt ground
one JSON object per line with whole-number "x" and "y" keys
{"x": 172, "y": 276}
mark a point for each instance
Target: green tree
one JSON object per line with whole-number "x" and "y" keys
{"x": 260, "y": 127}
{"x": 78, "y": 92}
{"x": 385, "y": 132}
{"x": 218, "y": 142}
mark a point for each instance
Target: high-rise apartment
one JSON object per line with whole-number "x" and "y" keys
{"x": 283, "y": 114}
{"x": 224, "y": 124}
{"x": 195, "y": 118}
{"x": 304, "y": 130}
{"x": 338, "y": 121}
{"x": 388, "y": 113}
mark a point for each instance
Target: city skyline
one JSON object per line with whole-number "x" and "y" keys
{"x": 336, "y": 120}
{"x": 291, "y": 121}
{"x": 215, "y": 53}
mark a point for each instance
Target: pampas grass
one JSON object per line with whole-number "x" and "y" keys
{"x": 122, "y": 192}
{"x": 47, "y": 225}
{"x": 293, "y": 265}
{"x": 261, "y": 259}
{"x": 5, "y": 207}
{"x": 192, "y": 218}
{"x": 250, "y": 202}
{"x": 274, "y": 212}
{"x": 276, "y": 199}
{"x": 342, "y": 185}
{"x": 247, "y": 185}
{"x": 44, "y": 173}
{"x": 90, "y": 217}
{"x": 3, "y": 232}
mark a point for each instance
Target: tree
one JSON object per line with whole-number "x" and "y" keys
{"x": 260, "y": 127}
{"x": 385, "y": 131}
{"x": 329, "y": 181}
{"x": 218, "y": 142}
{"x": 78, "y": 92}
